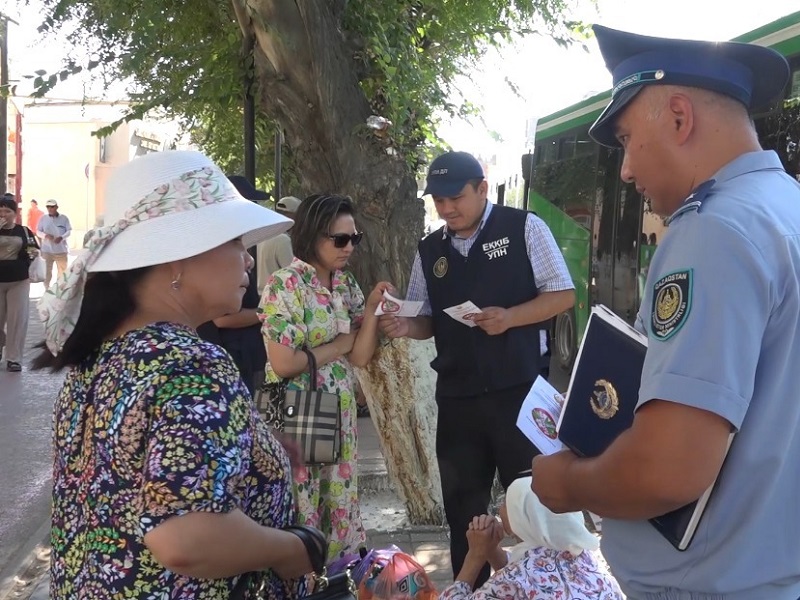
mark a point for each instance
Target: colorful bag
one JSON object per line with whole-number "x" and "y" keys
{"x": 393, "y": 575}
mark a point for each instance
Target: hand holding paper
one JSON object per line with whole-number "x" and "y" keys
{"x": 494, "y": 320}
{"x": 463, "y": 313}
{"x": 398, "y": 308}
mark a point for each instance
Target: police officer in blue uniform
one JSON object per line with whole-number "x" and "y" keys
{"x": 722, "y": 316}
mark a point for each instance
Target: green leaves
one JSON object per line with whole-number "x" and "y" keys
{"x": 413, "y": 51}
{"x": 185, "y": 56}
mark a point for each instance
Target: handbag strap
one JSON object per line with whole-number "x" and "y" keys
{"x": 316, "y": 548}
{"x": 312, "y": 368}
{"x": 316, "y": 545}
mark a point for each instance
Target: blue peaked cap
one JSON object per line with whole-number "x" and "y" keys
{"x": 754, "y": 75}
{"x": 450, "y": 172}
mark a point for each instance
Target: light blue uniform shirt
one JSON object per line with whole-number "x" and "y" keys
{"x": 722, "y": 314}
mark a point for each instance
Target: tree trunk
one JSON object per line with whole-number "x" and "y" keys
{"x": 308, "y": 83}
{"x": 399, "y": 385}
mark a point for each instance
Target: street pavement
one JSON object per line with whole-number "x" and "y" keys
{"x": 26, "y": 401}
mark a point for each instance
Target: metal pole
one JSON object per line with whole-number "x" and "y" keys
{"x": 4, "y": 102}
{"x": 278, "y": 193}
{"x": 249, "y": 114}
{"x": 18, "y": 152}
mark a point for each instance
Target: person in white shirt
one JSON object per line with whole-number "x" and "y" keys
{"x": 54, "y": 229}
{"x": 276, "y": 253}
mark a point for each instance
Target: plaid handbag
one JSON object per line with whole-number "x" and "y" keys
{"x": 312, "y": 418}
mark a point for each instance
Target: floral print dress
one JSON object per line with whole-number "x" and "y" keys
{"x": 297, "y": 310}
{"x": 543, "y": 574}
{"x": 156, "y": 424}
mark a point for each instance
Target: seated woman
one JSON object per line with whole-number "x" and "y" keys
{"x": 555, "y": 558}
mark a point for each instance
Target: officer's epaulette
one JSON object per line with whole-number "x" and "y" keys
{"x": 694, "y": 201}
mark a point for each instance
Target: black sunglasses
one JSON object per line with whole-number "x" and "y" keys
{"x": 340, "y": 240}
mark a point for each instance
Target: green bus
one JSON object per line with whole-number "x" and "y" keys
{"x": 603, "y": 226}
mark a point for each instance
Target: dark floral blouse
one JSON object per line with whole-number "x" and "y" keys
{"x": 156, "y": 424}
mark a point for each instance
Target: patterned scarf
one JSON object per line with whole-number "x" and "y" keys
{"x": 60, "y": 306}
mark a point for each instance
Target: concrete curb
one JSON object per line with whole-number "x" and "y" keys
{"x": 26, "y": 569}
{"x": 373, "y": 483}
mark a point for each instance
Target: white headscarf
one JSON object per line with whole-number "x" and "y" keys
{"x": 537, "y": 526}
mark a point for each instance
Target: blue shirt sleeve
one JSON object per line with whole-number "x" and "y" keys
{"x": 707, "y": 357}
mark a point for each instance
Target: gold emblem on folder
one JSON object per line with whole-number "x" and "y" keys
{"x": 605, "y": 402}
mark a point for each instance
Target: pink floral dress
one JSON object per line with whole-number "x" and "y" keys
{"x": 544, "y": 574}
{"x": 298, "y": 311}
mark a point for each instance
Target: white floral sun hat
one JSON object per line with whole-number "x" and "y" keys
{"x": 160, "y": 208}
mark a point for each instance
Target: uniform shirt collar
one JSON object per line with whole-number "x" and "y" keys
{"x": 750, "y": 162}
{"x": 762, "y": 160}
{"x": 446, "y": 233}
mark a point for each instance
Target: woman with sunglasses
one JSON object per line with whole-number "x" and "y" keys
{"x": 314, "y": 303}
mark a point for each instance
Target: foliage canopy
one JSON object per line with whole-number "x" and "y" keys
{"x": 185, "y": 56}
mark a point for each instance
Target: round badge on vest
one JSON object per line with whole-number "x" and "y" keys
{"x": 440, "y": 267}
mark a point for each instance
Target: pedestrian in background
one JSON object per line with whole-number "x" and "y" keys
{"x": 54, "y": 229}
{"x": 240, "y": 332}
{"x": 17, "y": 249}
{"x": 34, "y": 214}
{"x": 276, "y": 253}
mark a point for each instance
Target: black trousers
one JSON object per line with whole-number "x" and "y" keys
{"x": 476, "y": 436}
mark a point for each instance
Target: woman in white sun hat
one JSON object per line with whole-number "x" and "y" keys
{"x": 166, "y": 481}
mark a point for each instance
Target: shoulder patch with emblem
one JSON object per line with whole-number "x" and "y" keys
{"x": 672, "y": 301}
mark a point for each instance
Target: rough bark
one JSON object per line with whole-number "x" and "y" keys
{"x": 308, "y": 83}
{"x": 399, "y": 386}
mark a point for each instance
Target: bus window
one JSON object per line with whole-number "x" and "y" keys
{"x": 653, "y": 231}
{"x": 626, "y": 246}
{"x": 606, "y": 184}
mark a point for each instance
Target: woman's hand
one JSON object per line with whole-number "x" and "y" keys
{"x": 483, "y": 536}
{"x": 297, "y": 563}
{"x": 344, "y": 342}
{"x": 376, "y": 296}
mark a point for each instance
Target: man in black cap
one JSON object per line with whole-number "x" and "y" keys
{"x": 506, "y": 262}
{"x": 240, "y": 333}
{"x": 721, "y": 310}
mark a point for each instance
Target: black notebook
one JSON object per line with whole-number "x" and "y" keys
{"x": 603, "y": 393}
